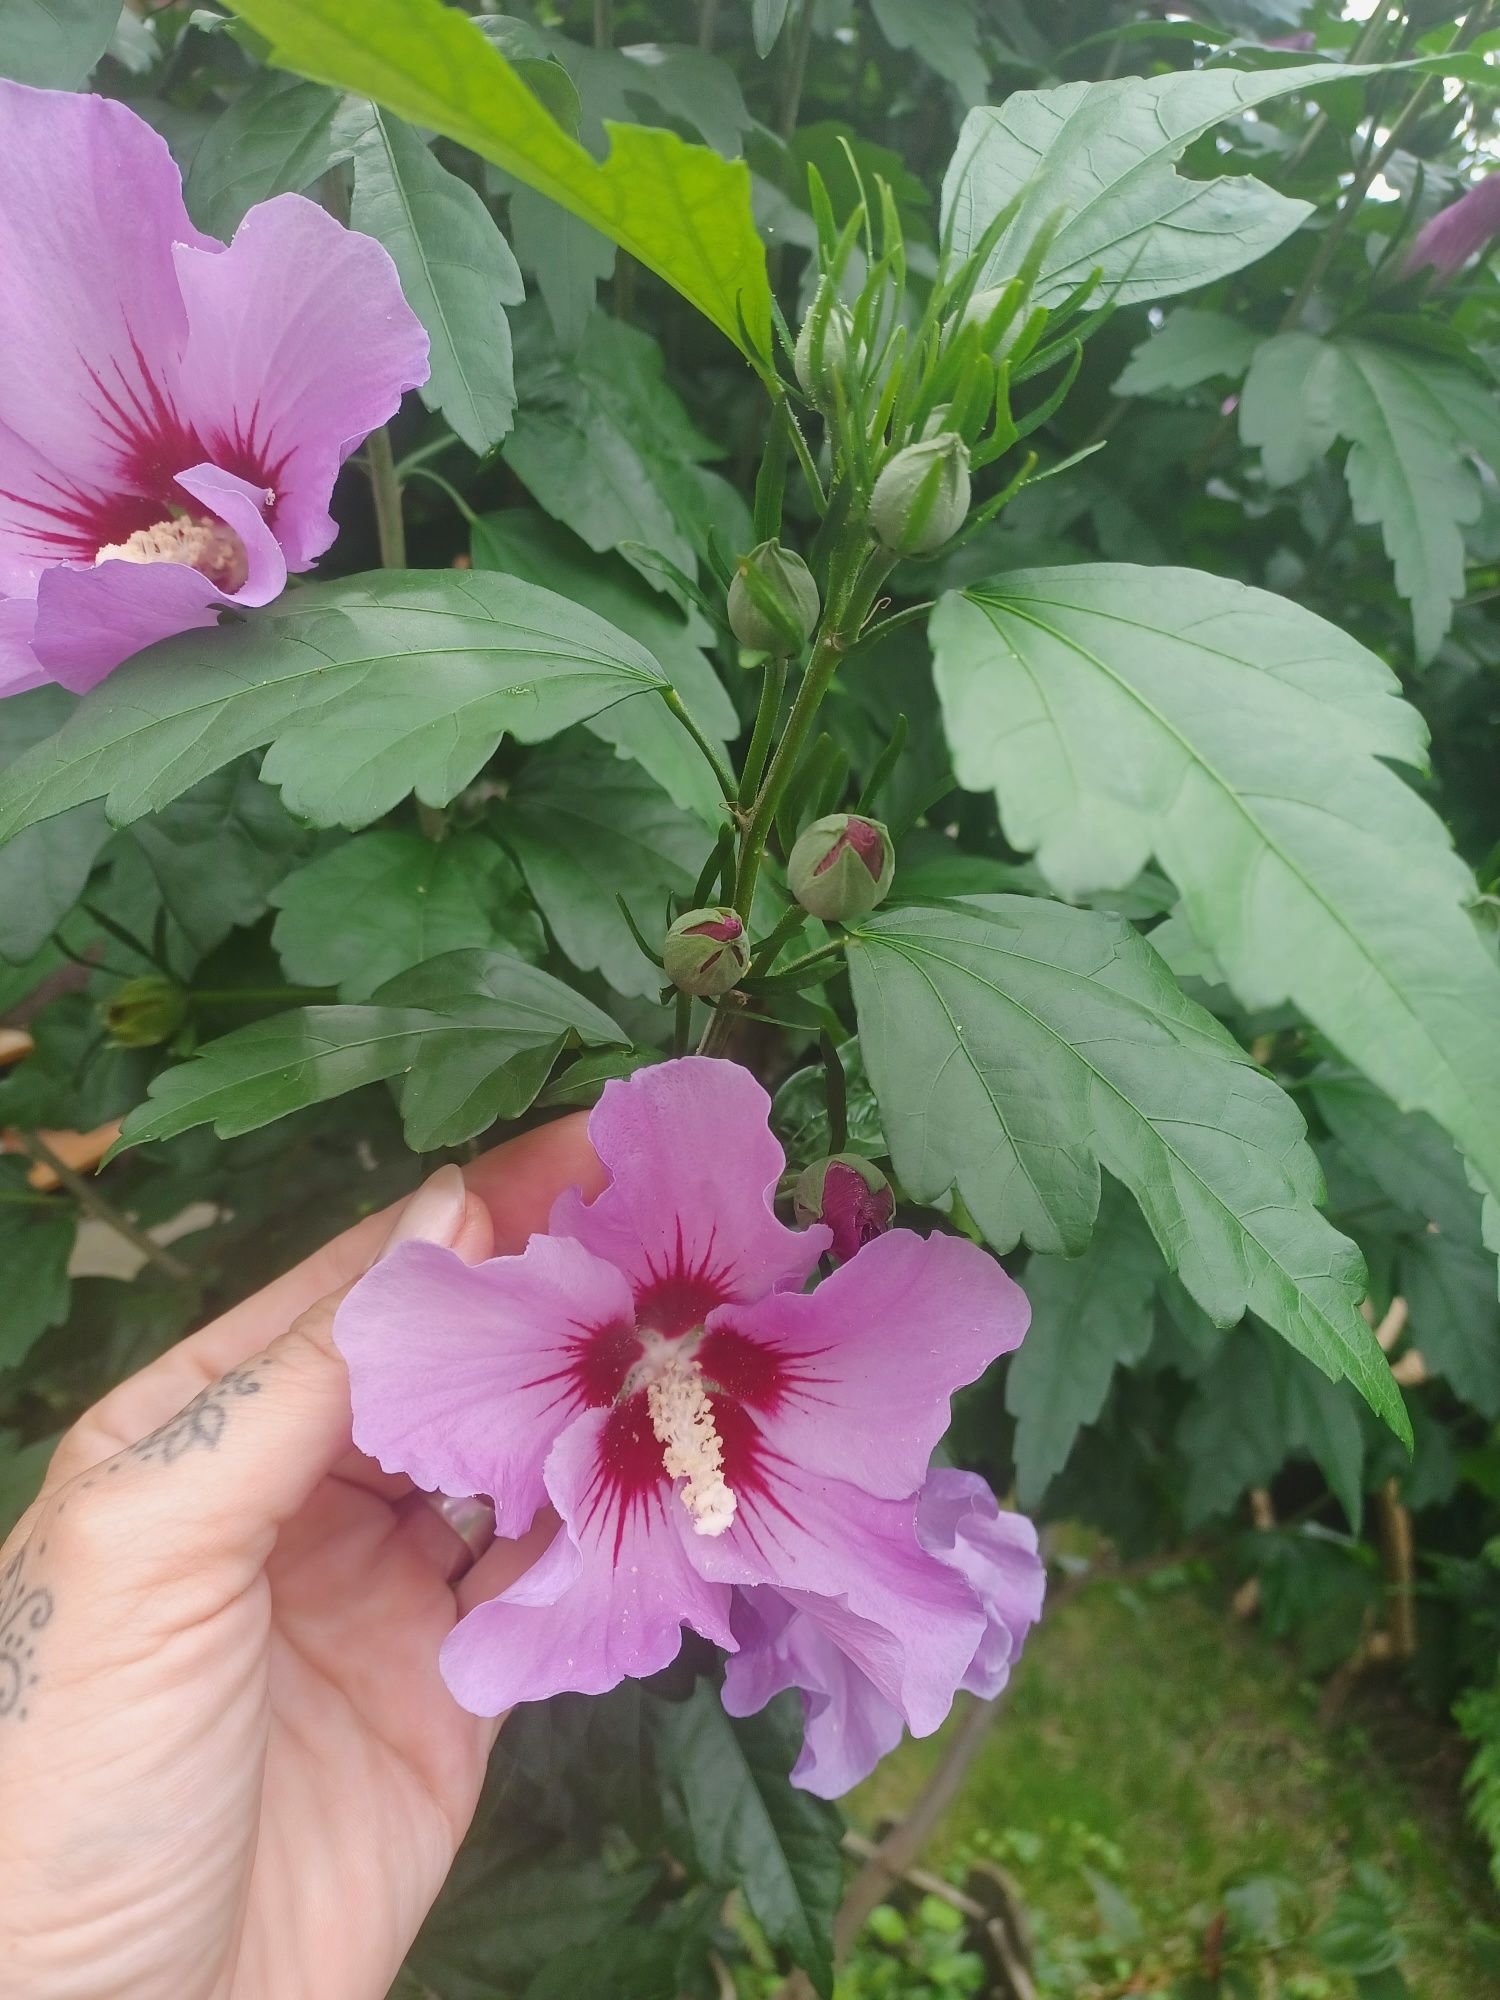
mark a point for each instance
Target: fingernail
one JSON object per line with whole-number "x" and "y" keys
{"x": 434, "y": 1213}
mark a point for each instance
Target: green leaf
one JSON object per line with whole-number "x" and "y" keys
{"x": 381, "y": 903}
{"x": 1089, "y": 1315}
{"x": 366, "y": 689}
{"x": 36, "y": 1241}
{"x": 472, "y": 1033}
{"x": 1017, "y": 1046}
{"x": 1443, "y": 1268}
{"x": 1413, "y": 425}
{"x": 587, "y": 829}
{"x": 604, "y": 444}
{"x": 680, "y": 209}
{"x": 215, "y": 855}
{"x": 1253, "y": 1408}
{"x": 277, "y": 137}
{"x": 767, "y": 19}
{"x": 565, "y": 256}
{"x": 747, "y": 1827}
{"x": 1191, "y": 346}
{"x": 1100, "y": 158}
{"x": 945, "y": 38}
{"x": 1121, "y": 712}
{"x": 456, "y": 270}
{"x": 55, "y": 43}
{"x": 689, "y": 85}
{"x": 527, "y": 545}
{"x": 42, "y": 871}
{"x": 514, "y": 1021}
{"x": 280, "y": 1065}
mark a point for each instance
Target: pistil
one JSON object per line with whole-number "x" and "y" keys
{"x": 682, "y": 1416}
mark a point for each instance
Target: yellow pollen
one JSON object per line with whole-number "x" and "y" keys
{"x": 682, "y": 1417}
{"x": 207, "y": 546}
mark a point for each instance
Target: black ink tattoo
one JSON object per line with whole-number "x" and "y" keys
{"x": 201, "y": 1425}
{"x": 25, "y": 1607}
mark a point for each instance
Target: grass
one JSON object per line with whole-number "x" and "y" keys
{"x": 1154, "y": 1723}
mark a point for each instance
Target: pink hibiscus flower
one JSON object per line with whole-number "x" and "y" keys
{"x": 173, "y": 413}
{"x": 704, "y": 1428}
{"x": 848, "y": 1723}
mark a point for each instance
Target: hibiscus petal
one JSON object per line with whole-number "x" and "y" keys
{"x": 463, "y": 1375}
{"x": 299, "y": 344}
{"x": 848, "y": 1726}
{"x": 854, "y": 1565}
{"x": 91, "y": 320}
{"x": 19, "y": 667}
{"x": 607, "y": 1602}
{"x": 960, "y": 1521}
{"x": 687, "y": 1215}
{"x": 853, "y": 1379}
{"x": 89, "y": 620}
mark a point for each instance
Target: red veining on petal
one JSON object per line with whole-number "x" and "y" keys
{"x": 748, "y": 1370}
{"x": 154, "y": 442}
{"x": 593, "y": 1375}
{"x": 630, "y": 1473}
{"x": 682, "y": 1294}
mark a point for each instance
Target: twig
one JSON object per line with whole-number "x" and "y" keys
{"x": 87, "y": 1196}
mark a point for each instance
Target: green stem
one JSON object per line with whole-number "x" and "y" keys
{"x": 837, "y": 1093}
{"x": 843, "y": 619}
{"x": 88, "y": 1197}
{"x": 434, "y": 448}
{"x": 787, "y": 925}
{"x": 706, "y": 744}
{"x": 772, "y": 687}
{"x": 795, "y": 974}
{"x": 604, "y": 24}
{"x": 390, "y": 529}
{"x": 682, "y": 1024}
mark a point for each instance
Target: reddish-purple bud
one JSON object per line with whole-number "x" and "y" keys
{"x": 841, "y": 867}
{"x": 1451, "y": 237}
{"x": 706, "y": 952}
{"x": 852, "y": 1197}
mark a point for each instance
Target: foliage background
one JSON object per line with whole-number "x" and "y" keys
{"x": 1262, "y": 396}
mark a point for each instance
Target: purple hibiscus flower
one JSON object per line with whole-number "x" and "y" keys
{"x": 173, "y": 413}
{"x": 724, "y": 1449}
{"x": 849, "y": 1724}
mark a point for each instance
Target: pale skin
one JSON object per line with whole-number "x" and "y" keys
{"x": 229, "y": 1769}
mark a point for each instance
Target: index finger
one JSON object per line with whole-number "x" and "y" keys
{"x": 517, "y": 1182}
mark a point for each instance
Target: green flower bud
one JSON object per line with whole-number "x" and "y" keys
{"x": 921, "y": 499}
{"x": 706, "y": 952}
{"x": 773, "y": 601}
{"x": 822, "y": 350}
{"x": 978, "y": 310}
{"x": 144, "y": 1013}
{"x": 841, "y": 867}
{"x": 850, "y": 1195}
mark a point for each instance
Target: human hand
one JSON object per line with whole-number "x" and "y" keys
{"x": 229, "y": 1769}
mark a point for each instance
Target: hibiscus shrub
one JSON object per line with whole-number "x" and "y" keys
{"x": 860, "y": 595}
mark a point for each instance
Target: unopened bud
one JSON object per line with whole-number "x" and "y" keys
{"x": 773, "y": 601}
{"x": 841, "y": 867}
{"x": 822, "y": 351}
{"x": 922, "y": 497}
{"x": 706, "y": 952}
{"x": 145, "y": 1012}
{"x": 852, "y": 1197}
{"x": 978, "y": 311}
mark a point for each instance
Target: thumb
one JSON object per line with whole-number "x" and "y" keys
{"x": 217, "y": 1481}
